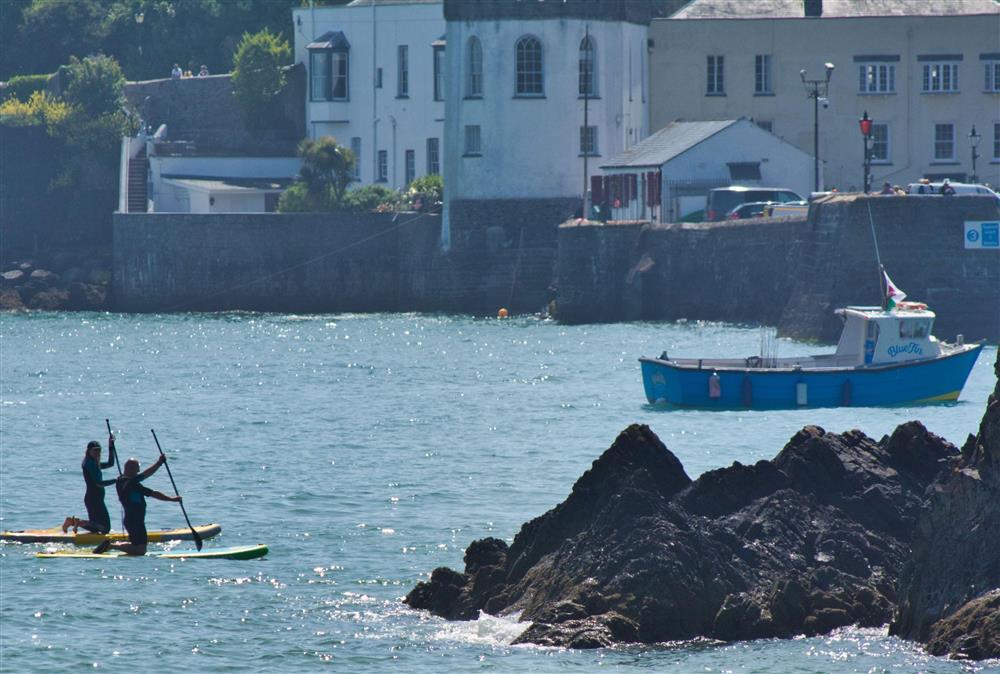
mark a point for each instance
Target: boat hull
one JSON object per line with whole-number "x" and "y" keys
{"x": 938, "y": 379}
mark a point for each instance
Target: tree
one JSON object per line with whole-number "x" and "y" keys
{"x": 96, "y": 85}
{"x": 327, "y": 170}
{"x": 257, "y": 74}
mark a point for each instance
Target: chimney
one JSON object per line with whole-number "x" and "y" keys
{"x": 813, "y": 7}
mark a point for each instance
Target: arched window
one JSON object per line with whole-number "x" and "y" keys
{"x": 474, "y": 69}
{"x": 588, "y": 67}
{"x": 530, "y": 81}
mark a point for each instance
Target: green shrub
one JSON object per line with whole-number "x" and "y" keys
{"x": 96, "y": 85}
{"x": 425, "y": 193}
{"x": 300, "y": 199}
{"x": 372, "y": 198}
{"x": 22, "y": 86}
{"x": 257, "y": 74}
{"x": 40, "y": 108}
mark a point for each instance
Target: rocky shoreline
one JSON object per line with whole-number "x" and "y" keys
{"x": 60, "y": 281}
{"x": 836, "y": 530}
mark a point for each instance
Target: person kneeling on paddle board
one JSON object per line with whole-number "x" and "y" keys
{"x": 132, "y": 493}
{"x": 98, "y": 520}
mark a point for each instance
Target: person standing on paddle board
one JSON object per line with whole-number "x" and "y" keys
{"x": 98, "y": 520}
{"x": 132, "y": 493}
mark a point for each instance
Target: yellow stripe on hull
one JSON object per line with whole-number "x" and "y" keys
{"x": 941, "y": 398}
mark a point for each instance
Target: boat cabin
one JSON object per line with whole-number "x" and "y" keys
{"x": 874, "y": 336}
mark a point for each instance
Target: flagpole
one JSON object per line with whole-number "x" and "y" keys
{"x": 878, "y": 259}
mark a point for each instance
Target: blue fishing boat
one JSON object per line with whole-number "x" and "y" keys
{"x": 885, "y": 356}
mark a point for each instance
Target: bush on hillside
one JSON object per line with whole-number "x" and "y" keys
{"x": 257, "y": 73}
{"x": 372, "y": 198}
{"x": 22, "y": 86}
{"x": 96, "y": 85}
{"x": 40, "y": 109}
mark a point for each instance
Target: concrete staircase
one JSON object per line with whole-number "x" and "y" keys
{"x": 138, "y": 170}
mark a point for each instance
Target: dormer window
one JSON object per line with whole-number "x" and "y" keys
{"x": 329, "y": 67}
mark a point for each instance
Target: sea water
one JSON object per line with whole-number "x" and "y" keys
{"x": 365, "y": 450}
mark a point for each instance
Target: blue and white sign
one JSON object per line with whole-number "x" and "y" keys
{"x": 982, "y": 234}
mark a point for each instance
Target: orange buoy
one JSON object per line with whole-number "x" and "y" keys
{"x": 502, "y": 313}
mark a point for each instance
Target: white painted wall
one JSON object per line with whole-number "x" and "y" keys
{"x": 376, "y": 115}
{"x": 167, "y": 198}
{"x": 531, "y": 146}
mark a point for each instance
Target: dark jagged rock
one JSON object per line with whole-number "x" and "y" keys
{"x": 948, "y": 588}
{"x": 803, "y": 544}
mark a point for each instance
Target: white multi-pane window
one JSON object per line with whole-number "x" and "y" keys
{"x": 411, "y": 166}
{"x": 940, "y": 77}
{"x": 529, "y": 79}
{"x": 880, "y": 143}
{"x": 587, "y": 68}
{"x": 341, "y": 70}
{"x": 588, "y": 140}
{"x": 762, "y": 80}
{"x": 473, "y": 140}
{"x": 474, "y": 69}
{"x": 716, "y": 75}
{"x": 992, "y": 75}
{"x": 383, "y": 166}
{"x": 402, "y": 70}
{"x": 944, "y": 142}
{"x": 320, "y": 85}
{"x": 877, "y": 78}
{"x": 434, "y": 156}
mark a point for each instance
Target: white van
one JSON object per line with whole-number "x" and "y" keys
{"x": 934, "y": 189}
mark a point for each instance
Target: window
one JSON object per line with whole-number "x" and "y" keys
{"x": 340, "y": 72}
{"x": 402, "y": 71}
{"x": 877, "y": 78}
{"x": 996, "y": 141}
{"x": 588, "y": 141}
{"x": 356, "y": 149}
{"x": 319, "y": 76}
{"x": 378, "y": 78}
{"x": 766, "y": 124}
{"x": 433, "y": 156}
{"x": 762, "y": 75}
{"x": 473, "y": 140}
{"x": 944, "y": 142}
{"x": 438, "y": 73}
{"x": 992, "y": 76}
{"x": 940, "y": 78}
{"x": 411, "y": 166}
{"x": 588, "y": 73}
{"x": 716, "y": 84}
{"x": 474, "y": 70}
{"x": 529, "y": 67}
{"x": 880, "y": 143}
{"x": 383, "y": 166}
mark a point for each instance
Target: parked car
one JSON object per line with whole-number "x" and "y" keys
{"x": 751, "y": 209}
{"x": 927, "y": 188}
{"x": 722, "y": 200}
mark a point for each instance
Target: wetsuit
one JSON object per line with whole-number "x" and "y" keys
{"x": 132, "y": 493}
{"x": 99, "y": 521}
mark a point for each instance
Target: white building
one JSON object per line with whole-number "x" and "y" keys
{"x": 925, "y": 71}
{"x": 690, "y": 158}
{"x": 523, "y": 77}
{"x": 375, "y": 82}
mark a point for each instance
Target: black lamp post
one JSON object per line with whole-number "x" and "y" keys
{"x": 974, "y": 139}
{"x": 817, "y": 90}
{"x": 865, "y": 123}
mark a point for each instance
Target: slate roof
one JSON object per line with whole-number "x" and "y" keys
{"x": 782, "y": 9}
{"x": 673, "y": 139}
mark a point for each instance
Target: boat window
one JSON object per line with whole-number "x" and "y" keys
{"x": 914, "y": 328}
{"x": 872, "y": 329}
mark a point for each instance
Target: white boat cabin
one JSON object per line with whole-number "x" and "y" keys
{"x": 873, "y": 336}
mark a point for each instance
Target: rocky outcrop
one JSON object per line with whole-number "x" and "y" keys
{"x": 949, "y": 588}
{"x": 802, "y": 544}
{"x": 72, "y": 281}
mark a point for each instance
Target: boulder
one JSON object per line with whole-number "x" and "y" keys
{"x": 45, "y": 277}
{"x": 51, "y": 299}
{"x": 86, "y": 297}
{"x": 12, "y": 278}
{"x": 803, "y": 544}
{"x": 10, "y": 300}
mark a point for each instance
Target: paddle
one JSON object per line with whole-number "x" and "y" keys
{"x": 197, "y": 538}
{"x": 117, "y": 463}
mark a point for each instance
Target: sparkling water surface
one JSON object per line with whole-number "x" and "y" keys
{"x": 365, "y": 450}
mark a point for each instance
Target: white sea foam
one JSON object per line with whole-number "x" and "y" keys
{"x": 486, "y": 630}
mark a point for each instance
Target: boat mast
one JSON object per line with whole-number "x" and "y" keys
{"x": 878, "y": 259}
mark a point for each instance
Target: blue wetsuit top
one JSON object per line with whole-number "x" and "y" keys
{"x": 92, "y": 474}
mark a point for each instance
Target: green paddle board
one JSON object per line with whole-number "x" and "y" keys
{"x": 241, "y": 552}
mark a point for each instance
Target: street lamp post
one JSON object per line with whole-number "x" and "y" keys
{"x": 866, "y": 135}
{"x": 817, "y": 90}
{"x": 974, "y": 139}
